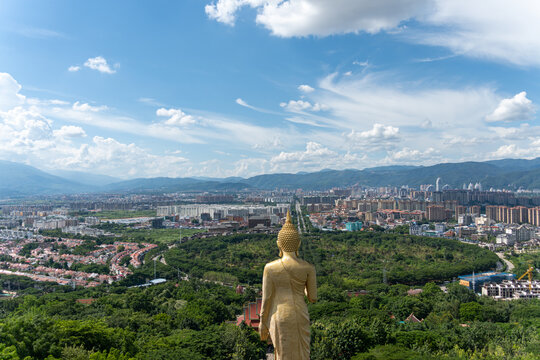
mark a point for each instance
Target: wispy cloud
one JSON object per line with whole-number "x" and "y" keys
{"x": 439, "y": 58}
{"x": 39, "y": 33}
{"x": 243, "y": 103}
{"x": 150, "y": 101}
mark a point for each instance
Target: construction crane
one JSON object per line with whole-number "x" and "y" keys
{"x": 530, "y": 273}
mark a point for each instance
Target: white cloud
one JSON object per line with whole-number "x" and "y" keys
{"x": 45, "y": 102}
{"x": 426, "y": 124}
{"x": 453, "y": 140}
{"x": 74, "y": 68}
{"x": 407, "y": 155}
{"x": 500, "y": 30}
{"x": 515, "y": 133}
{"x": 382, "y": 98}
{"x": 224, "y": 11}
{"x": 314, "y": 157}
{"x": 176, "y": 117}
{"x": 377, "y": 133}
{"x": 305, "y": 88}
{"x": 361, "y": 63}
{"x": 9, "y": 92}
{"x": 517, "y": 108}
{"x": 296, "y": 105}
{"x": 100, "y": 64}
{"x": 245, "y": 104}
{"x": 69, "y": 131}
{"x": 301, "y": 105}
{"x": 379, "y": 137}
{"x": 27, "y": 136}
{"x": 513, "y": 151}
{"x": 77, "y": 106}
{"x": 241, "y": 102}
{"x": 288, "y": 18}
{"x": 496, "y": 30}
{"x": 24, "y": 134}
{"x": 109, "y": 156}
{"x": 313, "y": 152}
{"x": 24, "y": 126}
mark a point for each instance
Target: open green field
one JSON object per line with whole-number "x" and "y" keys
{"x": 158, "y": 236}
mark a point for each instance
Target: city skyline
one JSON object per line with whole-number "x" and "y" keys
{"x": 241, "y": 88}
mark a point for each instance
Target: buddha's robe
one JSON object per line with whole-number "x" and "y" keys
{"x": 284, "y": 311}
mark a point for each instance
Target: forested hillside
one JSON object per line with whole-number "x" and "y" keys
{"x": 359, "y": 257}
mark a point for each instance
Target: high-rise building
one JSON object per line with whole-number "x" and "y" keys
{"x": 491, "y": 212}
{"x": 474, "y": 210}
{"x": 436, "y": 213}
{"x": 460, "y": 210}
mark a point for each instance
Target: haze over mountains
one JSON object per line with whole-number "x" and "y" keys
{"x": 18, "y": 180}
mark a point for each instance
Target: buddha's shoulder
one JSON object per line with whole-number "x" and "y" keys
{"x": 305, "y": 263}
{"x": 273, "y": 264}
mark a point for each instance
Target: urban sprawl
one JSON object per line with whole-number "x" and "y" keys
{"x": 495, "y": 219}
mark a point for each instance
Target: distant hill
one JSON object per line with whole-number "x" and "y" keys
{"x": 164, "y": 184}
{"x": 85, "y": 178}
{"x": 499, "y": 174}
{"x": 516, "y": 164}
{"x": 452, "y": 174}
{"x": 23, "y": 180}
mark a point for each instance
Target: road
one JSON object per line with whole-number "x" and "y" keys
{"x": 300, "y": 219}
{"x": 509, "y": 265}
{"x": 163, "y": 261}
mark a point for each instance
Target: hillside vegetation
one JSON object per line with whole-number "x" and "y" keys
{"x": 194, "y": 320}
{"x": 358, "y": 256}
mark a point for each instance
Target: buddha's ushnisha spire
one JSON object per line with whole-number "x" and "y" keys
{"x": 288, "y": 237}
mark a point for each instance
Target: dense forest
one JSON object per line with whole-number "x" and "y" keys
{"x": 195, "y": 319}
{"x": 358, "y": 257}
{"x": 190, "y": 320}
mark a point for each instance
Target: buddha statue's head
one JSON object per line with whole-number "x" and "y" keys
{"x": 288, "y": 237}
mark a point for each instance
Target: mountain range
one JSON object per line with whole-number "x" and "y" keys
{"x": 19, "y": 180}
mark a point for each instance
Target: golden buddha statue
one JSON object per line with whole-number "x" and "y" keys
{"x": 284, "y": 313}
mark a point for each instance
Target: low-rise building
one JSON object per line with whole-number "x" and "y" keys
{"x": 512, "y": 289}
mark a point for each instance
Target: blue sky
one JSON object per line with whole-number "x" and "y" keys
{"x": 244, "y": 87}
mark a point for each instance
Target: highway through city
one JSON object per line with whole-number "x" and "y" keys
{"x": 300, "y": 219}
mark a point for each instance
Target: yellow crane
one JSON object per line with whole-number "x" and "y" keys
{"x": 530, "y": 273}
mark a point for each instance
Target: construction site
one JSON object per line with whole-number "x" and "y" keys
{"x": 503, "y": 286}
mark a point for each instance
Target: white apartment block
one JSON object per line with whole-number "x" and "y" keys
{"x": 512, "y": 289}
{"x": 218, "y": 212}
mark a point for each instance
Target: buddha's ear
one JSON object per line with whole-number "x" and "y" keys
{"x": 280, "y": 253}
{"x": 297, "y": 253}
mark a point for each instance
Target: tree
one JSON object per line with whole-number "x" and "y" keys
{"x": 8, "y": 352}
{"x": 125, "y": 260}
{"x": 471, "y": 311}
